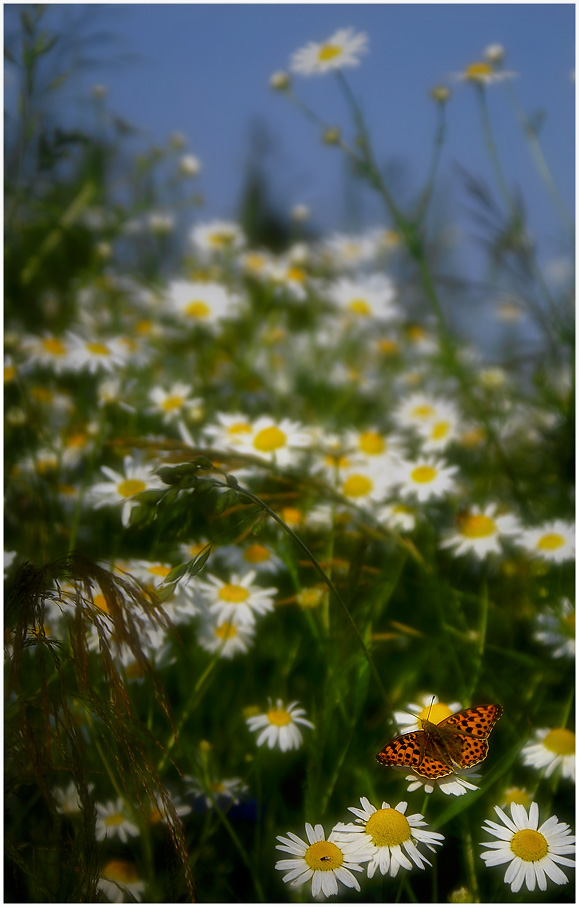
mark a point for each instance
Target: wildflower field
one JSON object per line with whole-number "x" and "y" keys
{"x": 268, "y": 516}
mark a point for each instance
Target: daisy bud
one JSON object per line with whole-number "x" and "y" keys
{"x": 280, "y": 81}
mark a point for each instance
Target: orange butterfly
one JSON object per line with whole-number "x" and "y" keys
{"x": 459, "y": 740}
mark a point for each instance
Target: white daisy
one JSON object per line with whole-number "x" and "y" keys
{"x": 189, "y": 165}
{"x": 425, "y": 478}
{"x": 346, "y": 251}
{"x": 201, "y": 303}
{"x": 324, "y": 861}
{"x": 480, "y": 532}
{"x": 452, "y": 785}
{"x": 393, "y": 834}
{"x": 122, "y": 488}
{"x": 279, "y": 726}
{"x": 237, "y": 601}
{"x": 225, "y": 637}
{"x": 225, "y": 792}
{"x": 365, "y": 485}
{"x": 343, "y": 48}
{"x": 556, "y": 627}
{"x": 172, "y": 402}
{"x": 532, "y": 852}
{"x": 442, "y": 430}
{"x": 366, "y": 299}
{"x": 552, "y": 748}
{"x": 279, "y": 442}
{"x": 119, "y": 878}
{"x": 113, "y": 821}
{"x": 396, "y": 516}
{"x": 47, "y": 350}
{"x": 374, "y": 446}
{"x": 68, "y": 800}
{"x": 216, "y": 238}
{"x": 96, "y": 354}
{"x": 482, "y": 73}
{"x": 419, "y": 410}
{"x": 254, "y": 555}
{"x": 553, "y": 541}
{"x": 230, "y": 431}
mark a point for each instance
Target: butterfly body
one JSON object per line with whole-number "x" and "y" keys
{"x": 459, "y": 741}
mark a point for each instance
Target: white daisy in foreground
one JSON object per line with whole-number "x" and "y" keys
{"x": 324, "y": 861}
{"x": 122, "y": 488}
{"x": 532, "y": 852}
{"x": 393, "y": 834}
{"x": 370, "y": 298}
{"x": 119, "y": 878}
{"x": 480, "y": 532}
{"x": 343, "y": 48}
{"x": 172, "y": 402}
{"x": 552, "y": 748}
{"x": 225, "y": 637}
{"x": 553, "y": 541}
{"x": 279, "y": 726}
{"x": 113, "y": 821}
{"x": 556, "y": 628}
{"x": 425, "y": 478}
{"x": 237, "y": 601}
{"x": 201, "y": 303}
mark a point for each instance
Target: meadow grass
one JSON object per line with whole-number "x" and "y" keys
{"x": 265, "y": 511}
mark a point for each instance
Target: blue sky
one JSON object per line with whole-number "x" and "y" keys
{"x": 203, "y": 69}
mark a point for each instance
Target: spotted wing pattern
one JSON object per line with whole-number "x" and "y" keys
{"x": 460, "y": 739}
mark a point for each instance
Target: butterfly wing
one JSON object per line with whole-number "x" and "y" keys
{"x": 477, "y": 721}
{"x": 404, "y": 750}
{"x": 472, "y": 751}
{"x": 409, "y": 750}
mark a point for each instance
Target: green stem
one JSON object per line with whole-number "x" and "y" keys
{"x": 244, "y": 492}
{"x": 424, "y": 200}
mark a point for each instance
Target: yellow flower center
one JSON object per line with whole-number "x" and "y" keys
{"x": 220, "y": 238}
{"x": 239, "y": 428}
{"x": 372, "y": 443}
{"x": 121, "y": 871}
{"x": 53, "y": 346}
{"x": 550, "y": 541}
{"x": 129, "y": 487}
{"x": 197, "y": 309}
{"x": 9, "y": 373}
{"x": 324, "y": 856}
{"x": 340, "y": 461}
{"x": 256, "y": 554}
{"x": 560, "y": 741}
{"x": 422, "y": 411}
{"x": 171, "y": 403}
{"x": 134, "y": 670}
{"x": 254, "y": 262}
{"x": 435, "y": 713}
{"x": 98, "y": 349}
{"x": 478, "y": 526}
{"x": 517, "y": 795}
{"x": 473, "y": 437}
{"x": 295, "y": 273}
{"x": 359, "y": 307}
{"x": 144, "y": 327}
{"x": 439, "y": 430}
{"x": 309, "y": 598}
{"x": 357, "y": 486}
{"x": 217, "y": 787}
{"x": 233, "y": 593}
{"x": 292, "y": 516}
{"x": 529, "y": 845}
{"x": 478, "y": 71}
{"x": 159, "y": 570}
{"x": 388, "y": 347}
{"x": 415, "y": 333}
{"x": 388, "y": 827}
{"x": 76, "y": 440}
{"x": 115, "y": 819}
{"x": 100, "y": 602}
{"x": 155, "y": 816}
{"x": 422, "y": 475}
{"x": 279, "y": 717}
{"x": 40, "y": 394}
{"x": 569, "y": 624}
{"x": 328, "y": 52}
{"x": 226, "y": 631}
{"x": 269, "y": 439}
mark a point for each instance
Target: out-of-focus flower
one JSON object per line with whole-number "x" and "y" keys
{"x": 122, "y": 488}
{"x": 217, "y": 237}
{"x": 552, "y": 749}
{"x": 556, "y": 628}
{"x": 238, "y": 601}
{"x": 342, "y": 49}
{"x": 280, "y": 81}
{"x": 189, "y": 165}
{"x": 119, "y": 878}
{"x": 553, "y": 541}
{"x": 113, "y": 821}
{"x": 201, "y": 303}
{"x": 480, "y": 532}
{"x": 279, "y": 726}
